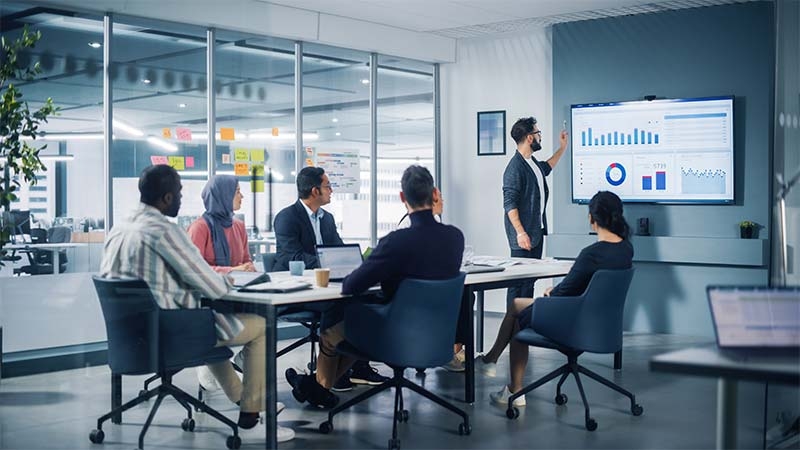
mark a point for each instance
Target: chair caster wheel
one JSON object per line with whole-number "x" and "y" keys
{"x": 394, "y": 444}
{"x": 143, "y": 392}
{"x": 188, "y": 424}
{"x": 464, "y": 429}
{"x": 420, "y": 371}
{"x": 591, "y": 425}
{"x": 233, "y": 442}
{"x": 512, "y": 413}
{"x": 97, "y": 436}
{"x": 326, "y": 427}
{"x": 403, "y": 416}
{"x": 637, "y": 410}
{"x": 561, "y": 399}
{"x": 311, "y": 367}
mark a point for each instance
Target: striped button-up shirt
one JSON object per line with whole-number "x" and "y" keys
{"x": 151, "y": 248}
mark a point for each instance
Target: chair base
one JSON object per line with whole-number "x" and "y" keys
{"x": 572, "y": 367}
{"x": 398, "y": 382}
{"x": 166, "y": 388}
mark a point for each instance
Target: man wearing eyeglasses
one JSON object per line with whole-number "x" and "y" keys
{"x": 525, "y": 195}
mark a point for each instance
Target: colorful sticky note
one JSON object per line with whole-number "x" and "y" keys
{"x": 177, "y": 162}
{"x": 258, "y": 169}
{"x": 257, "y": 155}
{"x": 226, "y": 158}
{"x": 156, "y": 160}
{"x": 190, "y": 161}
{"x": 309, "y": 150}
{"x": 257, "y": 186}
{"x": 166, "y": 133}
{"x": 226, "y": 134}
{"x": 309, "y": 162}
{"x": 184, "y": 134}
{"x": 275, "y": 131}
{"x": 241, "y": 154}
{"x": 241, "y": 169}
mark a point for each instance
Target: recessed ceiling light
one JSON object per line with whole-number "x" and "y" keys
{"x": 338, "y": 134}
{"x": 95, "y": 44}
{"x": 181, "y": 105}
{"x": 364, "y": 81}
{"x": 146, "y": 81}
{"x": 334, "y": 120}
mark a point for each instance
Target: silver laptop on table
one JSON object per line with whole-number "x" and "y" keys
{"x": 341, "y": 259}
{"x": 755, "y": 320}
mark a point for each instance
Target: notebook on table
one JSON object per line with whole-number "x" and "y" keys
{"x": 752, "y": 321}
{"x": 341, "y": 259}
{"x": 481, "y": 268}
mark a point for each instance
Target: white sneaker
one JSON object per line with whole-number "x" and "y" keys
{"x": 455, "y": 365}
{"x": 501, "y": 398}
{"x": 486, "y": 368}
{"x": 206, "y": 379}
{"x": 279, "y": 407}
{"x": 285, "y": 434}
{"x": 256, "y": 433}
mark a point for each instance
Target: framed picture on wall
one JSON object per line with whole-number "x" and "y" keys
{"x": 491, "y": 133}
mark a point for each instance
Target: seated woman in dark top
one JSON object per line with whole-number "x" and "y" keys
{"x": 612, "y": 251}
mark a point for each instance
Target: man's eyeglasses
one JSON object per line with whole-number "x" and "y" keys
{"x": 539, "y": 132}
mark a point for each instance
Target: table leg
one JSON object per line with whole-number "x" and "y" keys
{"x": 479, "y": 323}
{"x": 116, "y": 396}
{"x": 469, "y": 346}
{"x": 618, "y": 360}
{"x": 271, "y": 414}
{"x": 56, "y": 261}
{"x": 726, "y": 413}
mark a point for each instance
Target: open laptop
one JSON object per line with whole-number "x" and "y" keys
{"x": 754, "y": 321}
{"x": 341, "y": 259}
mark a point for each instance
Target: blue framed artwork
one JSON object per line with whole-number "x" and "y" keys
{"x": 491, "y": 133}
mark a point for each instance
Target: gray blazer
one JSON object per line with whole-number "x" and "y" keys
{"x": 521, "y": 191}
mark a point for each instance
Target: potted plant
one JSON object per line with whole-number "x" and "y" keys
{"x": 19, "y": 126}
{"x": 747, "y": 229}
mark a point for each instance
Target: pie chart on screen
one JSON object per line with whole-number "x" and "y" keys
{"x": 615, "y": 174}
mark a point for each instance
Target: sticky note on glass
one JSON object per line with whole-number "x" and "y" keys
{"x": 156, "y": 160}
{"x": 257, "y": 186}
{"x": 190, "y": 161}
{"x": 226, "y": 134}
{"x": 184, "y": 134}
{"x": 241, "y": 169}
{"x": 257, "y": 155}
{"x": 226, "y": 158}
{"x": 258, "y": 170}
{"x": 241, "y": 154}
{"x": 275, "y": 131}
{"x": 309, "y": 162}
{"x": 166, "y": 133}
{"x": 177, "y": 162}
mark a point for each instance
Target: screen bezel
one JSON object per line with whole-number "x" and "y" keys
{"x": 731, "y": 201}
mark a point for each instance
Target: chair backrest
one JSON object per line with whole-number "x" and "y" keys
{"x": 597, "y": 325}
{"x": 131, "y": 315}
{"x": 59, "y": 234}
{"x": 269, "y": 261}
{"x": 38, "y": 236}
{"x": 418, "y": 328}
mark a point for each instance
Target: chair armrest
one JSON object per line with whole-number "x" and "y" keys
{"x": 186, "y": 331}
{"x": 554, "y": 317}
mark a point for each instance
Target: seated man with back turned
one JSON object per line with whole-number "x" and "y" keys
{"x": 151, "y": 248}
{"x": 427, "y": 250}
{"x": 299, "y": 228}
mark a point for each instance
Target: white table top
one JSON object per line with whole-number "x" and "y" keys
{"x": 45, "y": 246}
{"x": 528, "y": 268}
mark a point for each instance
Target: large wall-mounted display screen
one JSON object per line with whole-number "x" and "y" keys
{"x": 660, "y": 151}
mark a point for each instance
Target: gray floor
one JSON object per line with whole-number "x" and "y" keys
{"x": 57, "y": 411}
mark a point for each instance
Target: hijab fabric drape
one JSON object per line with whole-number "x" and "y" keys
{"x": 218, "y": 200}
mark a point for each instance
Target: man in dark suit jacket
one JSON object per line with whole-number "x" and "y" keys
{"x": 428, "y": 250}
{"x": 300, "y": 227}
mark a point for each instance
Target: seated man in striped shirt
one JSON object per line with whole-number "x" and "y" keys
{"x": 150, "y": 247}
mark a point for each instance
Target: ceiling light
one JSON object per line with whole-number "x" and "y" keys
{"x": 127, "y": 128}
{"x": 162, "y": 143}
{"x": 338, "y": 134}
{"x": 56, "y": 157}
{"x": 70, "y": 137}
{"x": 146, "y": 81}
{"x": 283, "y": 136}
{"x": 95, "y": 44}
{"x": 364, "y": 81}
{"x": 181, "y": 105}
{"x": 334, "y": 120}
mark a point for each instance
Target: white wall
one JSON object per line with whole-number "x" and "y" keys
{"x": 511, "y": 73}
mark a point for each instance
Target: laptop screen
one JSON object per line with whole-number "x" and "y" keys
{"x": 341, "y": 259}
{"x": 747, "y": 317}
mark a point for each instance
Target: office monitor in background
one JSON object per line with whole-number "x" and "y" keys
{"x": 21, "y": 221}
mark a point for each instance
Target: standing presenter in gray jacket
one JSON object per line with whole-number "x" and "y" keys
{"x": 525, "y": 195}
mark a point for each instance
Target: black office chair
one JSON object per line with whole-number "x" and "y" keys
{"x": 40, "y": 262}
{"x": 416, "y": 329}
{"x": 591, "y": 322}
{"x": 143, "y": 338}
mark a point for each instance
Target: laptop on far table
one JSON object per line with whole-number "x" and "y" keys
{"x": 341, "y": 259}
{"x": 753, "y": 321}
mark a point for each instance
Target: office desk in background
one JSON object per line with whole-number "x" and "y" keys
{"x": 711, "y": 362}
{"x": 54, "y": 248}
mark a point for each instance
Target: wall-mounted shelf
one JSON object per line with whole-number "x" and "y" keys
{"x": 676, "y": 250}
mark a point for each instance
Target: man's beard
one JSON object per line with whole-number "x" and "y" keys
{"x": 536, "y": 146}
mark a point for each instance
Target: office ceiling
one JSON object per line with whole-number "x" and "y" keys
{"x": 472, "y": 18}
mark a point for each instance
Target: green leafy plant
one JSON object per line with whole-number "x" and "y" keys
{"x": 747, "y": 224}
{"x": 19, "y": 126}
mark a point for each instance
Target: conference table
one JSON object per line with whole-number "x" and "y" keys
{"x": 266, "y": 305}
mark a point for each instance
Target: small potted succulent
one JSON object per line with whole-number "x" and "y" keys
{"x": 747, "y": 229}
